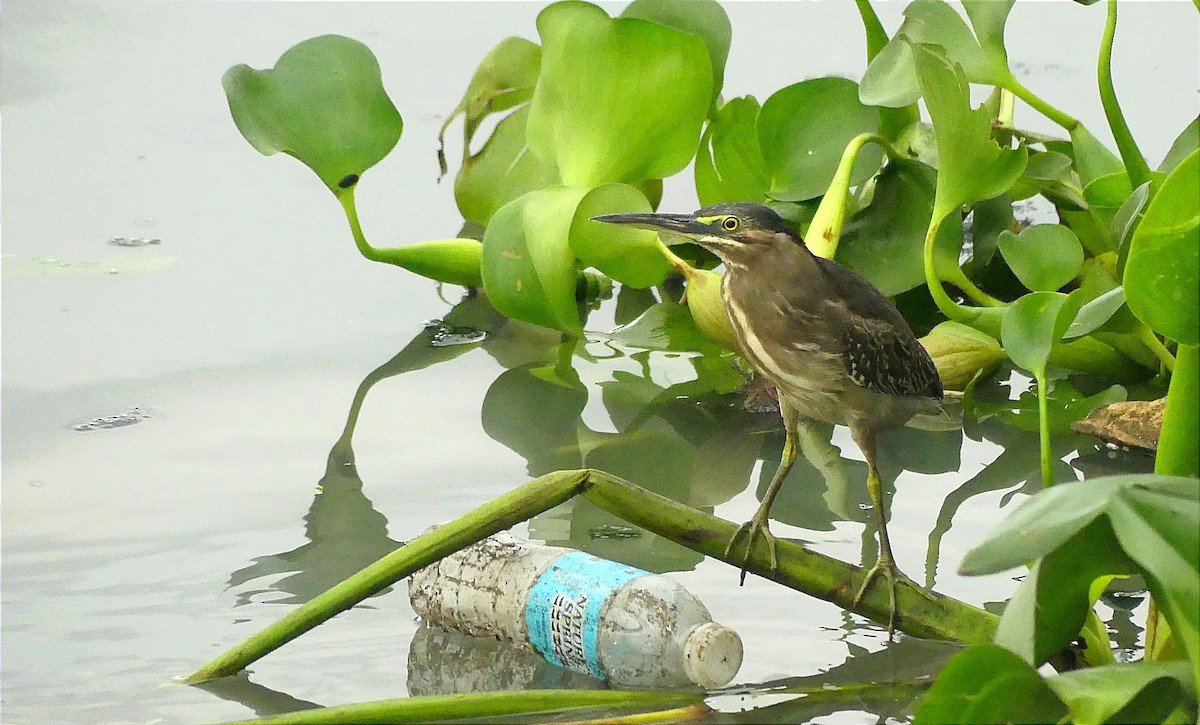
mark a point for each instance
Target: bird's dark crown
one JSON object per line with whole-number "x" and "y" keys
{"x": 749, "y": 216}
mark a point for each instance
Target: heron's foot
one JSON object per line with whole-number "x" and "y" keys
{"x": 886, "y": 567}
{"x": 756, "y": 526}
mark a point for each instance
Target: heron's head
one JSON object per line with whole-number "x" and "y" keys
{"x": 737, "y": 233}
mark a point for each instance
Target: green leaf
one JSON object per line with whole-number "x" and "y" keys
{"x": 1095, "y": 313}
{"x": 617, "y": 100}
{"x": 1043, "y": 256}
{"x": 890, "y": 79}
{"x": 987, "y": 19}
{"x": 988, "y": 684}
{"x": 504, "y": 79}
{"x": 528, "y": 267}
{"x": 323, "y": 103}
{"x": 1034, "y": 324}
{"x": 705, "y": 19}
{"x": 1187, "y": 142}
{"x": 1049, "y": 608}
{"x": 1092, "y": 158}
{"x": 1162, "y": 272}
{"x": 971, "y": 166}
{"x": 1158, "y": 524}
{"x": 884, "y": 241}
{"x": 501, "y": 171}
{"x": 1042, "y": 524}
{"x": 1131, "y": 692}
{"x": 803, "y": 130}
{"x": 1125, "y": 222}
{"x": 630, "y": 256}
{"x": 729, "y": 163}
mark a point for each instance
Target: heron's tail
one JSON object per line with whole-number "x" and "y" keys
{"x": 946, "y": 414}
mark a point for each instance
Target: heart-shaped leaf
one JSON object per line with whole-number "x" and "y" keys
{"x": 322, "y": 103}
{"x": 617, "y": 100}
{"x": 803, "y": 130}
{"x": 1043, "y": 256}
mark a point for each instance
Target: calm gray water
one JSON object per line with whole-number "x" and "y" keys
{"x": 134, "y": 553}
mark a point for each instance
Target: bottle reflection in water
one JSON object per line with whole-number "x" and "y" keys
{"x": 443, "y": 662}
{"x": 579, "y": 612}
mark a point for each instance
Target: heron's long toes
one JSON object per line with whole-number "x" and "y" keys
{"x": 752, "y": 528}
{"x": 886, "y": 567}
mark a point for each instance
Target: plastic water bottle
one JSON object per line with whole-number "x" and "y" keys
{"x": 580, "y": 612}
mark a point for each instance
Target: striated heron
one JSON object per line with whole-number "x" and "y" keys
{"x": 834, "y": 347}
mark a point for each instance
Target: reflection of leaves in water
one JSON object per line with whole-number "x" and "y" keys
{"x": 344, "y": 531}
{"x": 895, "y": 677}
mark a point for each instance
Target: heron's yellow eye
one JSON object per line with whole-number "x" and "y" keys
{"x": 731, "y": 224}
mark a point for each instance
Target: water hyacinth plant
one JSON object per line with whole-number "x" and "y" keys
{"x": 598, "y": 110}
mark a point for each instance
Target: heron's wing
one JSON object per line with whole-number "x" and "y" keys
{"x": 879, "y": 349}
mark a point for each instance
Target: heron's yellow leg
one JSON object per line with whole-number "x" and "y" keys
{"x": 758, "y": 524}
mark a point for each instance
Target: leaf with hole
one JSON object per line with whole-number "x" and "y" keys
{"x": 323, "y": 103}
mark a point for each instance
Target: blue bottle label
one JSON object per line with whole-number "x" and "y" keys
{"x": 563, "y": 609}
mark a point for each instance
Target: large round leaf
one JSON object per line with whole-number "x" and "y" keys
{"x": 323, "y": 103}
{"x": 1162, "y": 273}
{"x": 705, "y": 19}
{"x": 630, "y": 256}
{"x": 528, "y": 268}
{"x": 803, "y": 130}
{"x": 617, "y": 100}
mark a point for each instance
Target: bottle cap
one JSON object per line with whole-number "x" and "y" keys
{"x": 712, "y": 655}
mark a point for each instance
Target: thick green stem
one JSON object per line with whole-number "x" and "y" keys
{"x": 922, "y": 614}
{"x": 510, "y": 509}
{"x": 1131, "y": 155}
{"x": 1047, "y": 457}
{"x": 1067, "y": 122}
{"x": 1145, "y": 335}
{"x": 825, "y": 230}
{"x": 346, "y": 198}
{"x": 1177, "y": 449}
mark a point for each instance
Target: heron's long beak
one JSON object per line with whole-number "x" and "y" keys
{"x": 684, "y": 225}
